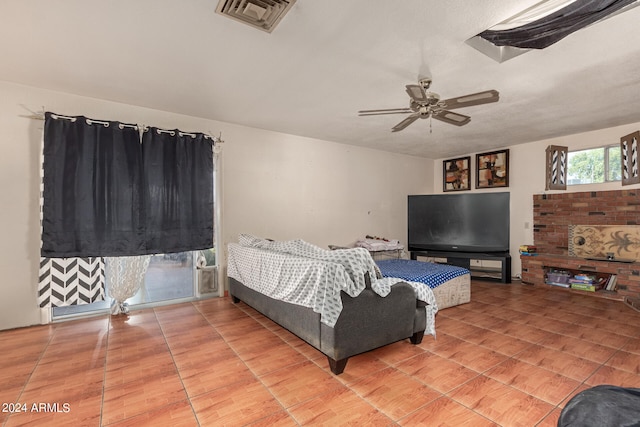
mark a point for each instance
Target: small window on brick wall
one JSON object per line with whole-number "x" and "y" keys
{"x": 594, "y": 166}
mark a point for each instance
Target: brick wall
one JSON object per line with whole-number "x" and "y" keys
{"x": 553, "y": 213}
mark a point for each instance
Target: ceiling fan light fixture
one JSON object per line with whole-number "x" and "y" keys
{"x": 433, "y": 98}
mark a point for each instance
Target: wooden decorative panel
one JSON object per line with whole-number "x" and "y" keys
{"x": 614, "y": 242}
{"x": 629, "y": 148}
{"x": 556, "y": 169}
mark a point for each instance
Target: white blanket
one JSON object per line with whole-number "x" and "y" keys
{"x": 301, "y": 273}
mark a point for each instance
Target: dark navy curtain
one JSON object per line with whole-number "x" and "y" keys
{"x": 554, "y": 27}
{"x": 106, "y": 194}
{"x": 178, "y": 197}
{"x": 92, "y": 189}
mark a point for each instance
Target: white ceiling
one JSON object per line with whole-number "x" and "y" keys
{"x": 326, "y": 60}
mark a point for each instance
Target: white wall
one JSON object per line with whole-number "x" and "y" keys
{"x": 275, "y": 185}
{"x": 285, "y": 187}
{"x": 527, "y": 177}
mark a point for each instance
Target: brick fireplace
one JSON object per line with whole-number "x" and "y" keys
{"x": 552, "y": 216}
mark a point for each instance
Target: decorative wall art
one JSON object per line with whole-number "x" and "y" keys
{"x": 556, "y": 169}
{"x": 456, "y": 174}
{"x": 492, "y": 169}
{"x": 605, "y": 242}
{"x": 629, "y": 149}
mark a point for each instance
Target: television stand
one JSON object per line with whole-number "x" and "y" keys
{"x": 463, "y": 259}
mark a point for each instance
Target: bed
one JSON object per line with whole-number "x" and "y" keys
{"x": 451, "y": 285}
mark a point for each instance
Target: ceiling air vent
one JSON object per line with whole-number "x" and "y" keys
{"x": 261, "y": 14}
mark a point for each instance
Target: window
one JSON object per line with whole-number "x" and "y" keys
{"x": 168, "y": 175}
{"x": 168, "y": 277}
{"x": 594, "y": 166}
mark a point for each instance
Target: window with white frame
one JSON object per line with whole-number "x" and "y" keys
{"x": 594, "y": 165}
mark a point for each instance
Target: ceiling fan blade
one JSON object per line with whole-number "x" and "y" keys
{"x": 406, "y": 122}
{"x": 416, "y": 93}
{"x": 473, "y": 99}
{"x": 451, "y": 118}
{"x": 384, "y": 111}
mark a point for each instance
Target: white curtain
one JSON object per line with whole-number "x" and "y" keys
{"x": 125, "y": 276}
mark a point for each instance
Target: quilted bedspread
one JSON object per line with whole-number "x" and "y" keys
{"x": 301, "y": 273}
{"x": 430, "y": 274}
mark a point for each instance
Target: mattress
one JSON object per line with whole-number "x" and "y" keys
{"x": 451, "y": 285}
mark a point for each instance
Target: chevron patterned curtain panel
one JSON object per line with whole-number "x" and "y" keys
{"x": 70, "y": 281}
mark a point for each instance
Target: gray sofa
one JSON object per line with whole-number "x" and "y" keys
{"x": 366, "y": 322}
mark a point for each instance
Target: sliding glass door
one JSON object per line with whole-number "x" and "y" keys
{"x": 169, "y": 278}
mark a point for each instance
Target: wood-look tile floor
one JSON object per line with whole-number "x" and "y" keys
{"x": 511, "y": 357}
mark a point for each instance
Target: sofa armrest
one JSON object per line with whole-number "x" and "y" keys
{"x": 369, "y": 321}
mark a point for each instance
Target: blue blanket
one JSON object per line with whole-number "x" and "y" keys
{"x": 428, "y": 273}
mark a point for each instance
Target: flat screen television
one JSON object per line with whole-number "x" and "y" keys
{"x": 472, "y": 222}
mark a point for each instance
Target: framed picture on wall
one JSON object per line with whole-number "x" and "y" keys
{"x": 456, "y": 174}
{"x": 492, "y": 169}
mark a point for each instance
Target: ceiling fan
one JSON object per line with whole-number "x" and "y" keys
{"x": 426, "y": 104}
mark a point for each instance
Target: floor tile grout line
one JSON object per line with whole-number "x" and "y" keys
{"x": 268, "y": 389}
{"x": 483, "y": 373}
{"x": 444, "y": 396}
{"x": 104, "y": 387}
{"x": 286, "y": 409}
{"x": 104, "y": 373}
{"x": 581, "y": 383}
{"x": 313, "y": 361}
{"x": 35, "y": 366}
{"x": 554, "y": 407}
{"x": 184, "y": 388}
{"x": 441, "y": 395}
{"x": 542, "y": 344}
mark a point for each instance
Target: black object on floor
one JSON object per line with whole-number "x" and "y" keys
{"x": 603, "y": 406}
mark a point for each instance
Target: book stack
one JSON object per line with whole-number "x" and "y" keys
{"x": 587, "y": 282}
{"x": 528, "y": 250}
{"x": 611, "y": 283}
{"x": 558, "y": 278}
